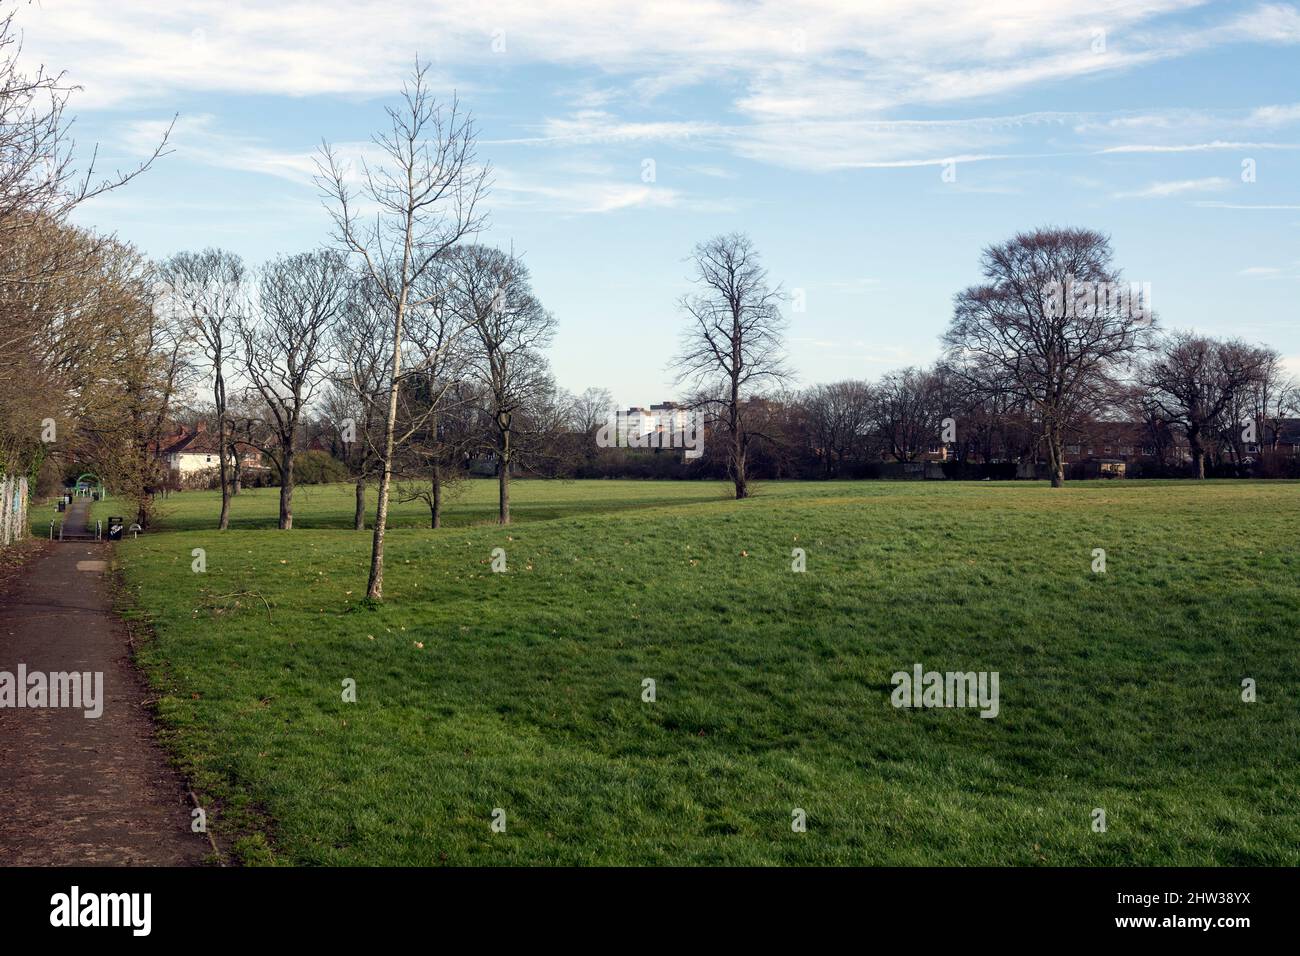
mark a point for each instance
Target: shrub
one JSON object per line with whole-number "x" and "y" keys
{"x": 318, "y": 468}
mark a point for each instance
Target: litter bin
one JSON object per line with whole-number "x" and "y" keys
{"x": 63, "y": 505}
{"x": 115, "y": 526}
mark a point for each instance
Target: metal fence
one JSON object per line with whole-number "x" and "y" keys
{"x": 13, "y": 509}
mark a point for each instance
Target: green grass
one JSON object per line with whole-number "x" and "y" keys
{"x": 467, "y": 503}
{"x": 1119, "y": 691}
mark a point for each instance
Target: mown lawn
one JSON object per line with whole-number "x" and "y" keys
{"x": 467, "y": 503}
{"x": 523, "y": 690}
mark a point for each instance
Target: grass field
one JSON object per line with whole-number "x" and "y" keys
{"x": 523, "y": 690}
{"x": 468, "y": 503}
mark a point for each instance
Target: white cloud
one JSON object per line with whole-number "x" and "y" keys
{"x": 813, "y": 58}
{"x": 589, "y": 127}
{"x": 1212, "y": 204}
{"x": 1275, "y": 115}
{"x": 805, "y": 84}
{"x": 589, "y": 194}
{"x": 199, "y": 138}
{"x": 1194, "y": 147}
{"x": 1176, "y": 188}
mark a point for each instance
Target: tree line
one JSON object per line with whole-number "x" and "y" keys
{"x": 410, "y": 349}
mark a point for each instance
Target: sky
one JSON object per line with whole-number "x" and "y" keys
{"x": 870, "y": 149}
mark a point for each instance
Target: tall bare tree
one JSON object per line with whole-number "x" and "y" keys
{"x": 359, "y": 390}
{"x": 285, "y": 345}
{"x": 405, "y": 215}
{"x": 732, "y": 346}
{"x": 1025, "y": 329}
{"x": 207, "y": 290}
{"x": 490, "y": 291}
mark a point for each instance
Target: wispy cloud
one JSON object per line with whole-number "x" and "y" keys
{"x": 818, "y": 85}
{"x": 570, "y": 194}
{"x": 1195, "y": 147}
{"x": 1177, "y": 188}
{"x": 1212, "y": 204}
{"x": 1263, "y": 272}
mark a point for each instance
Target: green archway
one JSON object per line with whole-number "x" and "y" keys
{"x": 83, "y": 485}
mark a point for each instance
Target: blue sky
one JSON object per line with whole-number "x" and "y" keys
{"x": 822, "y": 129}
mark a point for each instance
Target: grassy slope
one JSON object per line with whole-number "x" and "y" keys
{"x": 1118, "y": 691}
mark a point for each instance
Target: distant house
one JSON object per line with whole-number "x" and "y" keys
{"x": 1104, "y": 468}
{"x": 189, "y": 453}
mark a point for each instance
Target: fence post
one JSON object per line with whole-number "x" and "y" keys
{"x": 6, "y": 509}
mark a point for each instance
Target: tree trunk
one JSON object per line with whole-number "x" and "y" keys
{"x": 436, "y": 501}
{"x": 375, "y": 586}
{"x": 237, "y": 475}
{"x": 1198, "y": 451}
{"x": 222, "y": 468}
{"x": 503, "y": 491}
{"x": 286, "y": 491}
{"x": 737, "y": 441}
{"x": 359, "y": 517}
{"x": 1056, "y": 459}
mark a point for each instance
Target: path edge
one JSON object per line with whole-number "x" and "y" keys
{"x": 240, "y": 835}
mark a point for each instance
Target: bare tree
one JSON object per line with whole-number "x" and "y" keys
{"x": 491, "y": 293}
{"x": 206, "y": 290}
{"x": 425, "y": 197}
{"x": 1275, "y": 396}
{"x": 249, "y": 428}
{"x": 590, "y": 410}
{"x": 908, "y": 411}
{"x": 434, "y": 392}
{"x": 1193, "y": 380}
{"x": 732, "y": 345}
{"x": 837, "y": 418}
{"x": 1027, "y": 329}
{"x": 40, "y": 184}
{"x": 359, "y": 390}
{"x": 436, "y": 453}
{"x": 286, "y": 347}
{"x": 54, "y": 278}
{"x": 123, "y": 417}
